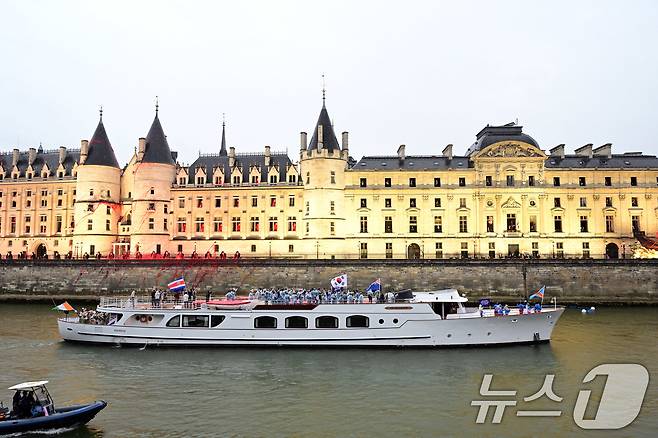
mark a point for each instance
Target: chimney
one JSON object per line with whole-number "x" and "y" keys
{"x": 15, "y": 156}
{"x": 558, "y": 151}
{"x": 401, "y": 152}
{"x": 585, "y": 151}
{"x": 447, "y": 152}
{"x": 268, "y": 156}
{"x": 84, "y": 151}
{"x": 31, "y": 155}
{"x": 320, "y": 137}
{"x": 231, "y": 157}
{"x": 62, "y": 154}
{"x": 141, "y": 149}
{"x": 303, "y": 143}
{"x": 346, "y": 142}
{"x": 603, "y": 151}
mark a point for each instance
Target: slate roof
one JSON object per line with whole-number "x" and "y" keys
{"x": 493, "y": 134}
{"x": 412, "y": 162}
{"x": 157, "y": 148}
{"x": 618, "y": 161}
{"x": 51, "y": 158}
{"x": 329, "y": 140}
{"x": 243, "y": 161}
{"x": 100, "y": 150}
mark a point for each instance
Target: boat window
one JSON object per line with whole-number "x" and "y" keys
{"x": 357, "y": 321}
{"x": 296, "y": 322}
{"x": 216, "y": 320}
{"x": 174, "y": 322}
{"x": 265, "y": 322}
{"x": 326, "y": 322}
{"x": 195, "y": 320}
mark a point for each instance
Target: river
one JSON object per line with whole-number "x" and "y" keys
{"x": 328, "y": 392}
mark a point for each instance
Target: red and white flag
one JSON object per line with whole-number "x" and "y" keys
{"x": 339, "y": 282}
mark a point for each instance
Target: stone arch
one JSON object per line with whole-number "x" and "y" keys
{"x": 612, "y": 250}
{"x": 413, "y": 251}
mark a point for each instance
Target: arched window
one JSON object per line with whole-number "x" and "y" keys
{"x": 326, "y": 322}
{"x": 357, "y": 321}
{"x": 265, "y": 322}
{"x": 174, "y": 322}
{"x": 296, "y": 322}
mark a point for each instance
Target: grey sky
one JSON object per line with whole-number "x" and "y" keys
{"x": 420, "y": 73}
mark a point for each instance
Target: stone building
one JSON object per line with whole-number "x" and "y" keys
{"x": 504, "y": 197}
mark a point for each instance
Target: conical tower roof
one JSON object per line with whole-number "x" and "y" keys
{"x": 157, "y": 148}
{"x": 329, "y": 140}
{"x": 222, "y": 150}
{"x": 100, "y": 150}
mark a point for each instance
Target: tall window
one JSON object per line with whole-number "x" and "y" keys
{"x": 412, "y": 203}
{"x": 437, "y": 182}
{"x": 634, "y": 181}
{"x": 438, "y": 248}
{"x": 273, "y": 224}
{"x": 490, "y": 224}
{"x": 389, "y": 250}
{"x": 199, "y": 202}
{"x": 608, "y": 181}
{"x": 254, "y": 224}
{"x": 364, "y": 203}
{"x": 58, "y": 224}
{"x": 608, "y": 201}
{"x": 181, "y": 225}
{"x": 291, "y": 201}
{"x": 634, "y": 201}
{"x": 533, "y": 224}
{"x": 151, "y": 224}
{"x": 333, "y": 177}
{"x": 218, "y": 201}
{"x": 181, "y": 202}
{"x": 272, "y": 201}
{"x": 292, "y": 223}
{"x": 511, "y": 222}
{"x": 236, "y": 201}
{"x": 217, "y": 225}
{"x": 531, "y": 181}
{"x": 332, "y": 228}
{"x": 235, "y": 224}
{"x": 609, "y": 224}
{"x": 582, "y": 181}
{"x": 462, "y": 202}
{"x": 583, "y": 224}
{"x": 635, "y": 223}
{"x": 488, "y": 181}
{"x": 557, "y": 203}
{"x": 387, "y": 203}
{"x": 557, "y": 222}
{"x": 437, "y": 202}
{"x": 413, "y": 224}
{"x": 388, "y": 224}
{"x": 254, "y": 201}
{"x": 556, "y": 181}
{"x": 463, "y": 224}
{"x": 387, "y": 182}
{"x": 363, "y": 182}
{"x": 199, "y": 226}
{"x": 364, "y": 224}
{"x": 510, "y": 180}
{"x": 412, "y": 182}
{"x": 438, "y": 224}
{"x": 363, "y": 252}
{"x": 583, "y": 202}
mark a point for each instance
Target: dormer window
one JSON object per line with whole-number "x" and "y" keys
{"x": 236, "y": 179}
{"x": 200, "y": 180}
{"x": 218, "y": 180}
{"x": 292, "y": 178}
{"x": 60, "y": 174}
{"x": 274, "y": 179}
{"x": 181, "y": 181}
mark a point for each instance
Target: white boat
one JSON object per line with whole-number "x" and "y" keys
{"x": 425, "y": 319}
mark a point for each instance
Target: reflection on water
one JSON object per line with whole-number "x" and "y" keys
{"x": 322, "y": 392}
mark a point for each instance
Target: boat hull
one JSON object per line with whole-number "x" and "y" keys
{"x": 410, "y": 330}
{"x": 61, "y": 419}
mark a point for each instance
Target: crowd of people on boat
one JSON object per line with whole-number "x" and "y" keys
{"x": 90, "y": 316}
{"x": 503, "y": 309}
{"x": 316, "y": 296}
{"x": 26, "y": 405}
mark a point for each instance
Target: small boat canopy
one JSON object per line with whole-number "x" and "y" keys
{"x": 28, "y": 385}
{"x": 442, "y": 296}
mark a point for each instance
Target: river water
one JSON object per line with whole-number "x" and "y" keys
{"x": 328, "y": 392}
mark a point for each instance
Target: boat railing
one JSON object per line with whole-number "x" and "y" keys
{"x": 146, "y": 303}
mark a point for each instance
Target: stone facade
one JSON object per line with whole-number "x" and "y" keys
{"x": 504, "y": 197}
{"x": 571, "y": 281}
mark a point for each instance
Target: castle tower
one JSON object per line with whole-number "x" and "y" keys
{"x": 98, "y": 186}
{"x": 322, "y": 165}
{"x": 154, "y": 173}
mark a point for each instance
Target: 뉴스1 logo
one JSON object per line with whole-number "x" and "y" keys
{"x": 620, "y": 403}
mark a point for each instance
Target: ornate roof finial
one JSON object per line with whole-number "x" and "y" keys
{"x": 101, "y": 112}
{"x": 324, "y": 89}
{"x": 222, "y": 148}
{"x": 157, "y": 105}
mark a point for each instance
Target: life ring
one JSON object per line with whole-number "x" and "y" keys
{"x": 142, "y": 318}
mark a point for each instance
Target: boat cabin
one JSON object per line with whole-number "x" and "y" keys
{"x": 32, "y": 399}
{"x": 443, "y": 302}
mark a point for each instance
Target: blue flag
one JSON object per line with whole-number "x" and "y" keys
{"x": 375, "y": 286}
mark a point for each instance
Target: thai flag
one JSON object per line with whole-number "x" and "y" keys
{"x": 177, "y": 285}
{"x": 375, "y": 286}
{"x": 339, "y": 282}
{"x": 538, "y": 294}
